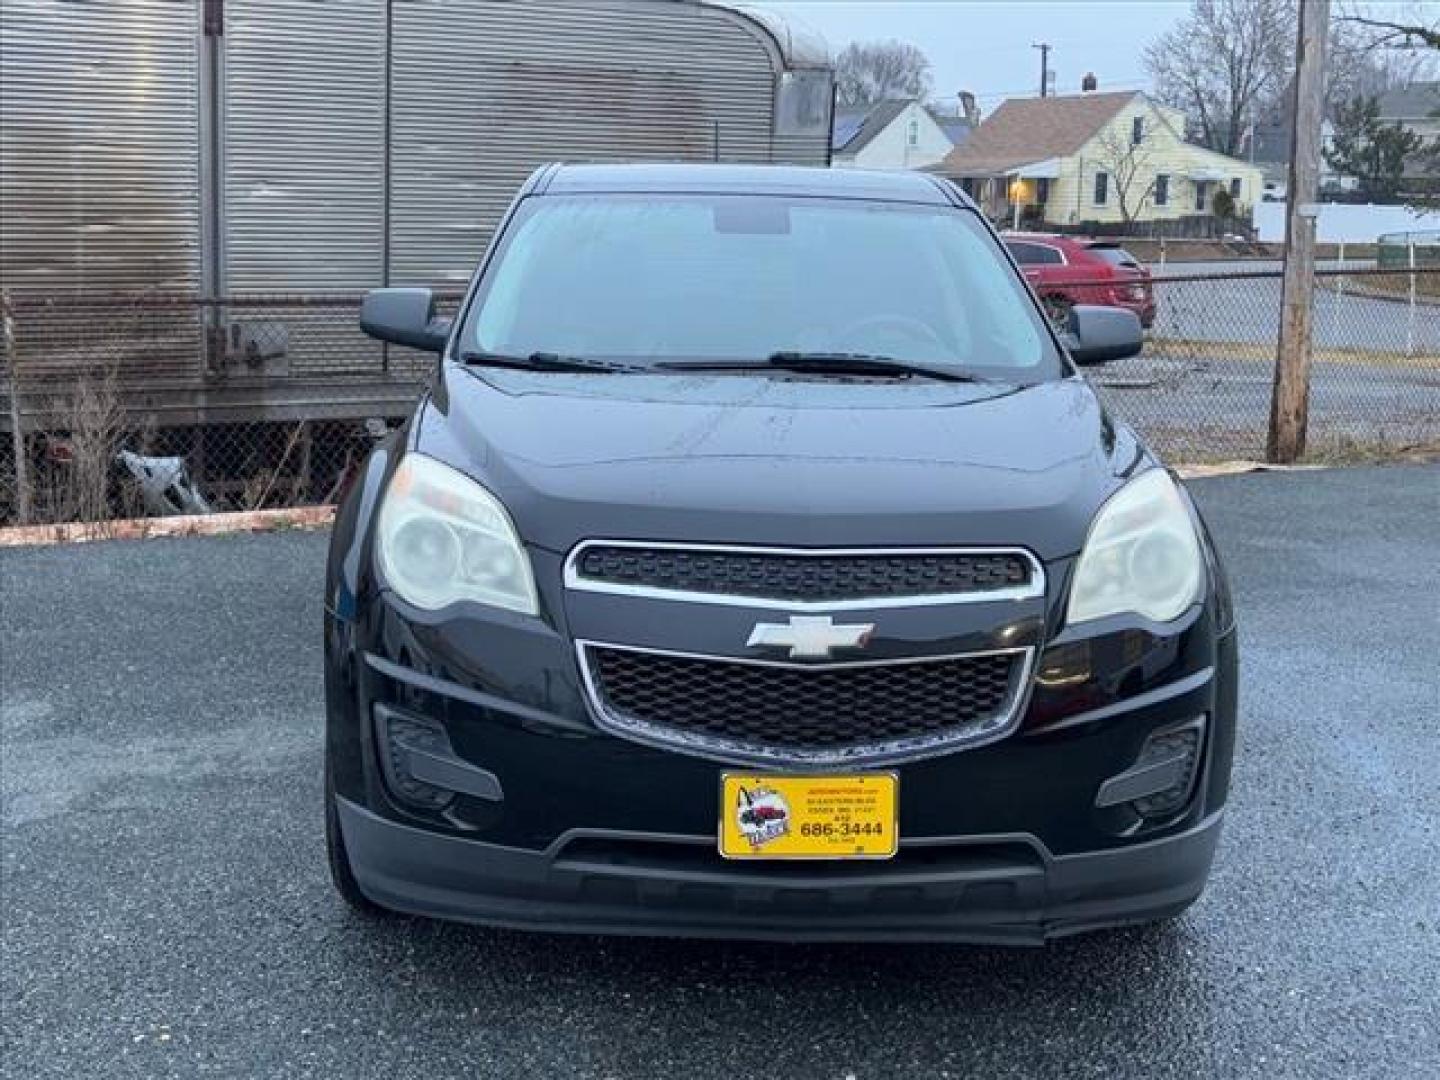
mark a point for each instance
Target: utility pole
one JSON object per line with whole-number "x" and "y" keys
{"x": 1044, "y": 48}
{"x": 1290, "y": 401}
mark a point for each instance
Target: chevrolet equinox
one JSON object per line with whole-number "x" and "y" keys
{"x": 757, "y": 564}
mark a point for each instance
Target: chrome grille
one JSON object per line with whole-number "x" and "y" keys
{"x": 817, "y": 713}
{"x": 799, "y": 578}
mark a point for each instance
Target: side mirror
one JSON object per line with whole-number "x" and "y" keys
{"x": 404, "y": 317}
{"x": 1099, "y": 334}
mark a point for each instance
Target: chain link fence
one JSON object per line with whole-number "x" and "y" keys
{"x": 155, "y": 404}
{"x": 1201, "y": 389}
{"x": 149, "y": 405}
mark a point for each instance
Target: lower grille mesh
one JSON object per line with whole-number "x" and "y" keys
{"x": 798, "y": 709}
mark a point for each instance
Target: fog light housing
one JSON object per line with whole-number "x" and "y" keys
{"x": 399, "y": 735}
{"x": 420, "y": 766}
{"x": 1163, "y": 778}
{"x": 1182, "y": 746}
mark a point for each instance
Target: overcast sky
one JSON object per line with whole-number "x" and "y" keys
{"x": 985, "y": 46}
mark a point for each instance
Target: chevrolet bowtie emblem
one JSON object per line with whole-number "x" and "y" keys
{"x": 811, "y": 637}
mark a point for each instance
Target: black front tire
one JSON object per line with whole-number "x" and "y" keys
{"x": 341, "y": 876}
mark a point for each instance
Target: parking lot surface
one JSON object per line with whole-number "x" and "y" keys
{"x": 1247, "y": 310}
{"x": 166, "y": 909}
{"x": 1212, "y": 404}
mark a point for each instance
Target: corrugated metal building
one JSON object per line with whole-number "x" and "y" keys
{"x": 247, "y": 148}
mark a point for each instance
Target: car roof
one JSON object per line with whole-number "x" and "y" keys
{"x": 1043, "y": 238}
{"x": 873, "y": 184}
{"x": 1086, "y": 243}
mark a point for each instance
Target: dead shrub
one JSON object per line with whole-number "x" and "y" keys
{"x": 79, "y": 480}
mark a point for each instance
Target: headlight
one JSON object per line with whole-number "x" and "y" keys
{"x": 1142, "y": 555}
{"x": 442, "y": 537}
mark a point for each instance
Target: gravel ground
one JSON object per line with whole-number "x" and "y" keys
{"x": 166, "y": 909}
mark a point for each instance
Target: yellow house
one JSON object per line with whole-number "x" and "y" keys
{"x": 1104, "y": 158}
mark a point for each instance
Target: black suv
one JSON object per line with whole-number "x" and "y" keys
{"x": 757, "y": 564}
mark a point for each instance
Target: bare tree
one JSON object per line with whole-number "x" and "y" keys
{"x": 871, "y": 71}
{"x": 1128, "y": 165}
{"x": 92, "y": 415}
{"x": 1367, "y": 57}
{"x": 1221, "y": 61}
{"x": 1396, "y": 46}
{"x": 1417, "y": 27}
{"x": 1230, "y": 61}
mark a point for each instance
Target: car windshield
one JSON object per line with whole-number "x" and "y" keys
{"x": 676, "y": 279}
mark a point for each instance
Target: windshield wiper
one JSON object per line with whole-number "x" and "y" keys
{"x": 864, "y": 363}
{"x": 544, "y": 361}
{"x": 834, "y": 363}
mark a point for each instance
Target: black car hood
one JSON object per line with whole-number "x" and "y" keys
{"x": 783, "y": 461}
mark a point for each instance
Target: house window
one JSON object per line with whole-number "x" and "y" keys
{"x": 1200, "y": 196}
{"x": 1137, "y": 130}
{"x": 1102, "y": 188}
{"x": 1042, "y": 190}
{"x": 914, "y": 133}
{"x": 1235, "y": 187}
{"x": 1162, "y": 189}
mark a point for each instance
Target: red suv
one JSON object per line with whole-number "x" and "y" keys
{"x": 1065, "y": 271}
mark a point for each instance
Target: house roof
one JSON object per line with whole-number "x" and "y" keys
{"x": 1272, "y": 144}
{"x": 1413, "y": 102}
{"x": 854, "y": 129}
{"x": 1025, "y": 130}
{"x": 958, "y": 129}
{"x": 845, "y": 125}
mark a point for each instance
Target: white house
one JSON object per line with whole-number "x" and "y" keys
{"x": 890, "y": 135}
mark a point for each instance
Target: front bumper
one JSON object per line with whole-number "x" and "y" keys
{"x": 565, "y": 826}
{"x": 575, "y": 829}
{"x": 1002, "y": 889}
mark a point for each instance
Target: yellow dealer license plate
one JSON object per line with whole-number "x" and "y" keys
{"x": 808, "y": 817}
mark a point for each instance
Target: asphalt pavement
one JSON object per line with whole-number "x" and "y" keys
{"x": 1246, "y": 310}
{"x": 166, "y": 910}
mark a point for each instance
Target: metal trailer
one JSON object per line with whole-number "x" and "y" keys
{"x": 203, "y": 158}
